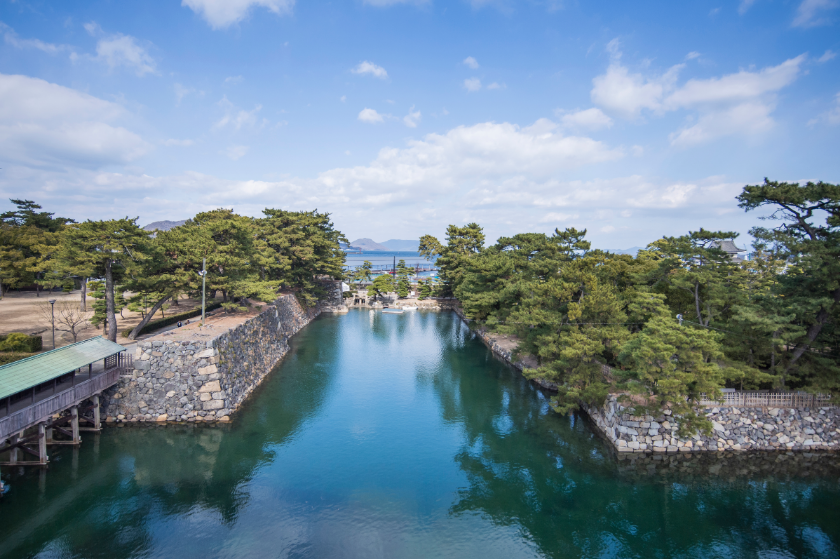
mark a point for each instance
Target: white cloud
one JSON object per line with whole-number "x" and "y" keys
{"x": 385, "y": 3}
{"x": 832, "y": 116}
{"x": 93, "y": 29}
{"x": 828, "y": 55}
{"x": 343, "y": 98}
{"x": 370, "y": 68}
{"x": 233, "y": 80}
{"x": 744, "y": 6}
{"x": 45, "y": 124}
{"x": 235, "y": 117}
{"x": 692, "y": 55}
{"x": 223, "y": 13}
{"x": 592, "y": 119}
{"x": 738, "y": 103}
{"x": 181, "y": 92}
{"x": 747, "y": 118}
{"x": 14, "y": 40}
{"x": 412, "y": 118}
{"x": 471, "y": 62}
{"x": 370, "y": 115}
{"x": 736, "y": 87}
{"x": 235, "y": 152}
{"x": 123, "y": 50}
{"x": 558, "y": 217}
{"x": 627, "y": 93}
{"x": 496, "y": 85}
{"x": 180, "y": 143}
{"x": 472, "y": 84}
{"x": 810, "y": 13}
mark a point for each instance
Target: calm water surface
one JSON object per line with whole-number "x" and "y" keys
{"x": 401, "y": 436}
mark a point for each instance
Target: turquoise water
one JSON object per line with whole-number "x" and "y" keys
{"x": 401, "y": 436}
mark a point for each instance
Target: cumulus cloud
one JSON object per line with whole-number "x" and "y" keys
{"x": 827, "y": 55}
{"x": 124, "y": 50}
{"x": 744, "y": 6}
{"x": 180, "y": 143}
{"x": 496, "y": 85}
{"x": 811, "y": 13}
{"x": 224, "y": 13}
{"x": 832, "y": 116}
{"x": 233, "y": 80}
{"x": 370, "y": 115}
{"x": 737, "y": 103}
{"x": 235, "y": 117}
{"x": 12, "y": 38}
{"x": 412, "y": 118}
{"x": 472, "y": 84}
{"x": 45, "y": 124}
{"x": 369, "y": 68}
{"x": 591, "y": 119}
{"x": 471, "y": 62}
{"x": 181, "y": 92}
{"x": 235, "y": 152}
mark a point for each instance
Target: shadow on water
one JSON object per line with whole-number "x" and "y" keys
{"x": 130, "y": 477}
{"x": 402, "y": 436}
{"x": 559, "y": 482}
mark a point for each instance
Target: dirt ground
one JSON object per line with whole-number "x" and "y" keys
{"x": 21, "y": 312}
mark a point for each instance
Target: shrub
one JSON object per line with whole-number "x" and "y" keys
{"x": 171, "y": 319}
{"x": 6, "y": 358}
{"x": 19, "y": 342}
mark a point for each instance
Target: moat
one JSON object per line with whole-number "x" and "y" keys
{"x": 402, "y": 436}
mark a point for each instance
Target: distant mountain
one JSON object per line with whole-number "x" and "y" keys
{"x": 401, "y": 245}
{"x": 163, "y": 225}
{"x": 631, "y": 251}
{"x": 368, "y": 244}
{"x": 345, "y": 246}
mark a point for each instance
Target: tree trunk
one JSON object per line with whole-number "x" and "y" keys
{"x": 83, "y": 305}
{"x": 37, "y": 290}
{"x": 147, "y": 318}
{"x": 813, "y": 331}
{"x": 110, "y": 319}
{"x": 697, "y": 302}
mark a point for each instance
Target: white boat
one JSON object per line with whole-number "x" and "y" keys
{"x": 412, "y": 308}
{"x": 392, "y": 311}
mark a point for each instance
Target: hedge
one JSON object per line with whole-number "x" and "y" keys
{"x": 11, "y": 357}
{"x": 29, "y": 344}
{"x": 172, "y": 319}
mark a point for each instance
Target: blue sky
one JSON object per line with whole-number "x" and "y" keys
{"x": 398, "y": 118}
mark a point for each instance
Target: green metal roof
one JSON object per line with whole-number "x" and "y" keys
{"x": 32, "y": 371}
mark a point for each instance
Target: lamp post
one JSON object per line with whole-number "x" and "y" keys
{"x": 203, "y": 274}
{"x": 52, "y": 319}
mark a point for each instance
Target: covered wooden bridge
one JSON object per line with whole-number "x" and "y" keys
{"x": 45, "y": 398}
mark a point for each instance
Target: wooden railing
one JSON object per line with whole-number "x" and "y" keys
{"x": 42, "y": 410}
{"x": 756, "y": 399}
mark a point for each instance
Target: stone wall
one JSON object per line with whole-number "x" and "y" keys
{"x": 198, "y": 380}
{"x": 733, "y": 429}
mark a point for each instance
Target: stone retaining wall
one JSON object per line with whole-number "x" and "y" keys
{"x": 197, "y": 380}
{"x": 733, "y": 429}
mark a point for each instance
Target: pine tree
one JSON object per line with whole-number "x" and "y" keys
{"x": 403, "y": 286}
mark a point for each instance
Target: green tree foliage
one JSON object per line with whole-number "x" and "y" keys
{"x": 803, "y": 307}
{"x": 297, "y": 248}
{"x": 28, "y": 238}
{"x": 403, "y": 286}
{"x": 113, "y": 250}
{"x": 424, "y": 289}
{"x": 462, "y": 243}
{"x": 381, "y": 285}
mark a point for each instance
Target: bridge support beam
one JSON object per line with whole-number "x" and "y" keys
{"x": 74, "y": 423}
{"x": 14, "y": 454}
{"x": 42, "y": 444}
{"x": 96, "y": 423}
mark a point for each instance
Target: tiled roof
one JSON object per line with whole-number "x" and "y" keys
{"x": 32, "y": 371}
{"x": 728, "y": 247}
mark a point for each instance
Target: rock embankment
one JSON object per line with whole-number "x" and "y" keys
{"x": 733, "y": 429}
{"x": 205, "y": 380}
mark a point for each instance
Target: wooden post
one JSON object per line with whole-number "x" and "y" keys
{"x": 50, "y": 435}
{"x": 13, "y": 454}
{"x": 42, "y": 444}
{"x": 74, "y": 422}
{"x": 96, "y": 424}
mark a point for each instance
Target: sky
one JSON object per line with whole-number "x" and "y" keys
{"x": 632, "y": 120}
